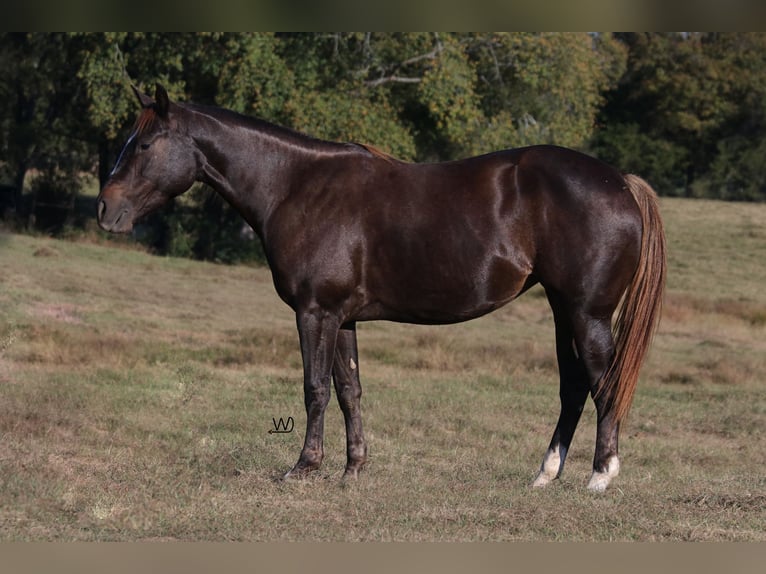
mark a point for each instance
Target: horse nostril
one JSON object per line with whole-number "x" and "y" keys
{"x": 101, "y": 209}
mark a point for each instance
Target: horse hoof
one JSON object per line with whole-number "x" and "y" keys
{"x": 600, "y": 480}
{"x": 299, "y": 472}
{"x": 542, "y": 480}
{"x": 352, "y": 473}
{"x": 550, "y": 469}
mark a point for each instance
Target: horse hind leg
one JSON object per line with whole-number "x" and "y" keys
{"x": 573, "y": 392}
{"x": 593, "y": 337}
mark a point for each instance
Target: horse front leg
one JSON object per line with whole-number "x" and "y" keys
{"x": 318, "y": 333}
{"x": 349, "y": 391}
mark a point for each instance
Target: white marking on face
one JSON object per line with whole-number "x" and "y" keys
{"x": 352, "y": 364}
{"x": 122, "y": 153}
{"x": 600, "y": 480}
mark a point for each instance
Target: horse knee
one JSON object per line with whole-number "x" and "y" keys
{"x": 350, "y": 394}
{"x": 317, "y": 395}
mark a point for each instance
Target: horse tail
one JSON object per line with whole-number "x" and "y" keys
{"x": 639, "y": 313}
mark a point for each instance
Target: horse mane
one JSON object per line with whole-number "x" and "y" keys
{"x": 377, "y": 152}
{"x": 281, "y": 132}
{"x": 144, "y": 121}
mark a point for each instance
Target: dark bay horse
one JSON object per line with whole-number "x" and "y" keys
{"x": 352, "y": 234}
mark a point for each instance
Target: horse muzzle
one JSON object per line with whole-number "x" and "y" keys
{"x": 114, "y": 215}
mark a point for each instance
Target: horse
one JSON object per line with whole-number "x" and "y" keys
{"x": 352, "y": 234}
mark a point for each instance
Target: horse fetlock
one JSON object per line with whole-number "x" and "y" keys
{"x": 300, "y": 470}
{"x": 307, "y": 463}
{"x": 353, "y": 469}
{"x": 357, "y": 457}
{"x": 600, "y": 479}
{"x": 550, "y": 469}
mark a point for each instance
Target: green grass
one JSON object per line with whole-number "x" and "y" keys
{"x": 136, "y": 395}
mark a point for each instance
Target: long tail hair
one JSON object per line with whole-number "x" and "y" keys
{"x": 639, "y": 314}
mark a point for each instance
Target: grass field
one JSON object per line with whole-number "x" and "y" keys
{"x": 137, "y": 392}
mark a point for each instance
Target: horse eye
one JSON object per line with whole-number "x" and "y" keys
{"x": 145, "y": 146}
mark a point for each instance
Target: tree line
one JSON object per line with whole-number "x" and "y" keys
{"x": 686, "y": 111}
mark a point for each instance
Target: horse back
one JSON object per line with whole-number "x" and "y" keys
{"x": 434, "y": 243}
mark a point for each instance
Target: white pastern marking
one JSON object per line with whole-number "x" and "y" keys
{"x": 600, "y": 480}
{"x": 549, "y": 469}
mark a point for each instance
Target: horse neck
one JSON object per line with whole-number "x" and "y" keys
{"x": 251, "y": 163}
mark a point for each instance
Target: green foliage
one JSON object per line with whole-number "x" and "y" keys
{"x": 105, "y": 78}
{"x": 550, "y": 85}
{"x": 350, "y": 117}
{"x": 739, "y": 170}
{"x": 659, "y": 161}
{"x": 237, "y": 71}
{"x": 447, "y": 91}
{"x": 43, "y": 124}
{"x": 697, "y": 96}
{"x": 683, "y": 110}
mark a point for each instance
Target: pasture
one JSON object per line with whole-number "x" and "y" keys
{"x": 137, "y": 392}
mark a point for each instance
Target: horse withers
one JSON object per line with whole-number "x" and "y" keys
{"x": 352, "y": 234}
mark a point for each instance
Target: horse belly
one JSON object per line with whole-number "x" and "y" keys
{"x": 434, "y": 289}
{"x": 448, "y": 244}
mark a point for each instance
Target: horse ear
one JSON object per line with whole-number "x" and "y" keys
{"x": 161, "y": 100}
{"x": 143, "y": 99}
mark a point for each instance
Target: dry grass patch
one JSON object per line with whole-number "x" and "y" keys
{"x": 137, "y": 395}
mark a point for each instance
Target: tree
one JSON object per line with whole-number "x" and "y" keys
{"x": 683, "y": 110}
{"x": 686, "y": 110}
{"x": 451, "y": 95}
{"x": 543, "y": 87}
{"x": 738, "y": 170}
{"x": 42, "y": 124}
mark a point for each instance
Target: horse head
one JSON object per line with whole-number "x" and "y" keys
{"x": 157, "y": 162}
